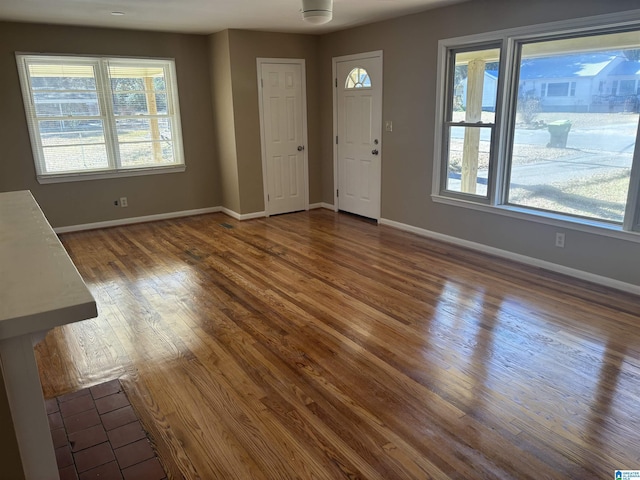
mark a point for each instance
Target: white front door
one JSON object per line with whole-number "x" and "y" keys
{"x": 358, "y": 107}
{"x": 283, "y": 125}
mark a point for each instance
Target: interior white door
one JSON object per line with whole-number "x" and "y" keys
{"x": 283, "y": 137}
{"x": 359, "y": 129}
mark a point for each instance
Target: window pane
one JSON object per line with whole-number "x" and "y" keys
{"x": 145, "y": 154}
{"x": 63, "y": 104}
{"x": 75, "y": 158}
{"x": 358, "y": 78}
{"x": 70, "y": 132}
{"x": 145, "y": 141}
{"x": 573, "y": 148}
{"x": 465, "y": 142}
{"x": 138, "y": 90}
{"x": 473, "y": 87}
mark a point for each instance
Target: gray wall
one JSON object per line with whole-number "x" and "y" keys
{"x": 410, "y": 52}
{"x": 245, "y": 47}
{"x": 75, "y": 203}
{"x": 224, "y": 120}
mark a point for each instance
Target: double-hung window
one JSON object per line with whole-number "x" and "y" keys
{"x": 91, "y": 117}
{"x": 526, "y": 126}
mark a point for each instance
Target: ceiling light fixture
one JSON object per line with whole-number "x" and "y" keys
{"x": 117, "y": 14}
{"x": 317, "y": 12}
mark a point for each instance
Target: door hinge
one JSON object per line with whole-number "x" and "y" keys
{"x": 261, "y": 83}
{"x": 337, "y": 193}
{"x": 268, "y": 198}
{"x": 336, "y": 83}
{"x": 336, "y": 139}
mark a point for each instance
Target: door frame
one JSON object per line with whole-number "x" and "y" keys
{"x": 334, "y": 77}
{"x": 263, "y": 147}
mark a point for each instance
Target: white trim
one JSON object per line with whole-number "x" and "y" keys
{"x": 134, "y": 172}
{"x": 132, "y": 220}
{"x": 328, "y": 206}
{"x": 535, "y": 262}
{"x": 334, "y": 87}
{"x": 243, "y": 216}
{"x": 305, "y": 141}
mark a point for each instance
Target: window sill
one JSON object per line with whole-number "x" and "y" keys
{"x": 81, "y": 177}
{"x": 562, "y": 221}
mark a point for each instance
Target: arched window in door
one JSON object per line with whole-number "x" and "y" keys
{"x": 358, "y": 78}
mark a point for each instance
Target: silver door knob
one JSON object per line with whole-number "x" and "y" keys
{"x": 374, "y": 152}
{"x": 300, "y": 148}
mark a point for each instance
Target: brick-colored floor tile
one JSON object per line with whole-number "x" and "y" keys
{"x": 52, "y": 405}
{"x": 63, "y": 456}
{"x": 108, "y": 471}
{"x": 136, "y": 452}
{"x": 126, "y": 434}
{"x": 55, "y": 421}
{"x": 104, "y": 389}
{"x": 68, "y": 473}
{"x": 93, "y": 457}
{"x": 77, "y": 405}
{"x": 118, "y": 418}
{"x": 59, "y": 437}
{"x": 147, "y": 470}
{"x": 87, "y": 438}
{"x": 97, "y": 435}
{"x": 81, "y": 421}
{"x": 72, "y": 395}
{"x": 111, "y": 402}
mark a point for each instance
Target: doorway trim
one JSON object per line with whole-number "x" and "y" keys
{"x": 334, "y": 78}
{"x": 263, "y": 148}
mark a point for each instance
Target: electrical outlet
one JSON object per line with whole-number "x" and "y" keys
{"x": 388, "y": 126}
{"x": 560, "y": 240}
{"x": 123, "y": 202}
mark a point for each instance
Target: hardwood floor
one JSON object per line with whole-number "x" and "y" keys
{"x": 317, "y": 345}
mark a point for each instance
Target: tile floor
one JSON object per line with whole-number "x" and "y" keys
{"x": 96, "y": 435}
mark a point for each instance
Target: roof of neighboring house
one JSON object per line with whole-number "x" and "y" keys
{"x": 627, "y": 68}
{"x": 566, "y": 66}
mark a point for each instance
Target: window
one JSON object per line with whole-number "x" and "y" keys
{"x": 358, "y": 78}
{"x": 558, "y": 89}
{"x": 93, "y": 117}
{"x": 470, "y": 119}
{"x": 525, "y": 127}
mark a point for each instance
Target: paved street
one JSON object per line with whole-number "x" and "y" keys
{"x": 601, "y": 151}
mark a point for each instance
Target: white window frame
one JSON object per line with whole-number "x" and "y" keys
{"x": 499, "y": 174}
{"x": 115, "y": 168}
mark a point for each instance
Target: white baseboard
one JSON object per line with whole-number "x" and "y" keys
{"x": 328, "y": 206}
{"x": 131, "y": 220}
{"x": 242, "y": 216}
{"x": 536, "y": 262}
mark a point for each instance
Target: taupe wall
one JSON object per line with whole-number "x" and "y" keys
{"x": 92, "y": 201}
{"x": 224, "y": 122}
{"x": 410, "y": 51}
{"x": 245, "y": 47}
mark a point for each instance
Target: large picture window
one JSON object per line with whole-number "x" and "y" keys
{"x": 90, "y": 117}
{"x": 539, "y": 133}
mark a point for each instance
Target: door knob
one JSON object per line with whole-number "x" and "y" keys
{"x": 374, "y": 152}
{"x": 300, "y": 148}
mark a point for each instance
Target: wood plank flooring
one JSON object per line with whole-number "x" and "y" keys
{"x": 318, "y": 345}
